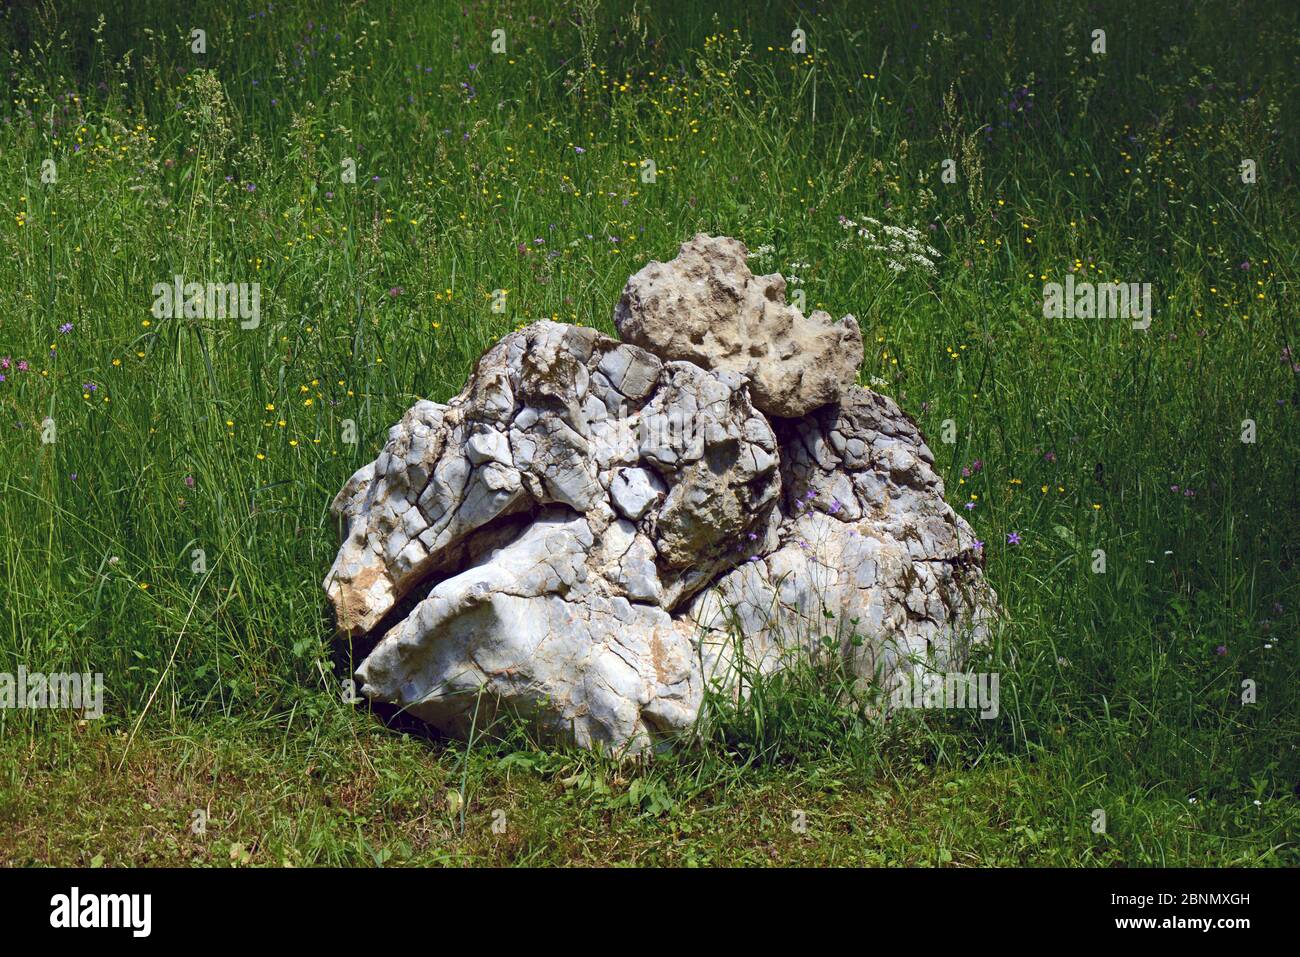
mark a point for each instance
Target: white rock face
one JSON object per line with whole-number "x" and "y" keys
{"x": 706, "y": 307}
{"x": 862, "y": 531}
{"x": 533, "y": 629}
{"x": 634, "y": 491}
{"x": 580, "y": 535}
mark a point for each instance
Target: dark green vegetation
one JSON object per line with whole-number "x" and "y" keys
{"x": 1121, "y": 690}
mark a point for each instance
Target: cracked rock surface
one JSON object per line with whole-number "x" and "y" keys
{"x": 591, "y": 533}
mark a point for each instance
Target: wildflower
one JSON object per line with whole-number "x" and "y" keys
{"x": 835, "y": 506}
{"x": 1221, "y": 650}
{"x": 65, "y": 328}
{"x": 978, "y": 545}
{"x": 969, "y": 506}
{"x": 22, "y": 365}
{"x": 579, "y": 150}
{"x": 189, "y": 481}
{"x": 902, "y": 247}
{"x": 1013, "y": 538}
{"x": 1050, "y": 457}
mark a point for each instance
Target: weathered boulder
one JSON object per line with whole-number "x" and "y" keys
{"x": 581, "y": 536}
{"x": 706, "y": 307}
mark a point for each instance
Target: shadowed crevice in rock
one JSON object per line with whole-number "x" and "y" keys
{"x": 581, "y": 536}
{"x": 495, "y": 533}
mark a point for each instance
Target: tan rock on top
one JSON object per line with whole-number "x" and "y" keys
{"x": 707, "y": 307}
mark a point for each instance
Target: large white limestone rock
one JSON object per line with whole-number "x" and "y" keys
{"x": 581, "y": 536}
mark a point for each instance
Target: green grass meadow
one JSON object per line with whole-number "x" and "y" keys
{"x": 171, "y": 532}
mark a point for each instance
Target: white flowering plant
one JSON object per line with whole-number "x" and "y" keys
{"x": 904, "y": 248}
